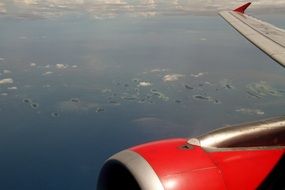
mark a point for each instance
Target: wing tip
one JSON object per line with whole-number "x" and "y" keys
{"x": 242, "y": 8}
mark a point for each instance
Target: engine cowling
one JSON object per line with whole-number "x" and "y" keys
{"x": 183, "y": 164}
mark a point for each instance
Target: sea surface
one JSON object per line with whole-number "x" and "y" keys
{"x": 76, "y": 89}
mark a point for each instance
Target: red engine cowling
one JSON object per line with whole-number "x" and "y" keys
{"x": 183, "y": 164}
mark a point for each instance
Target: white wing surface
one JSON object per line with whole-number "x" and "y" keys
{"x": 265, "y": 36}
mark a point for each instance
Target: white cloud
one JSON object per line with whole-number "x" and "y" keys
{"x": 2, "y": 8}
{"x": 7, "y": 81}
{"x": 47, "y": 73}
{"x": 158, "y": 70}
{"x": 27, "y": 2}
{"x": 155, "y": 70}
{"x": 101, "y": 9}
{"x": 33, "y": 64}
{"x": 13, "y": 88}
{"x": 198, "y": 75}
{"x": 144, "y": 84}
{"x": 172, "y": 77}
{"x": 61, "y": 66}
{"x": 250, "y": 111}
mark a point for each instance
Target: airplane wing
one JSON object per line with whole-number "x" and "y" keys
{"x": 265, "y": 36}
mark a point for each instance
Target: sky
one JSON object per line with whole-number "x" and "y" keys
{"x": 100, "y": 9}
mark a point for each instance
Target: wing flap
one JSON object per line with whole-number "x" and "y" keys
{"x": 265, "y": 36}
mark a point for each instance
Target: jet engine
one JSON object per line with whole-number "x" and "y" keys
{"x": 245, "y": 156}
